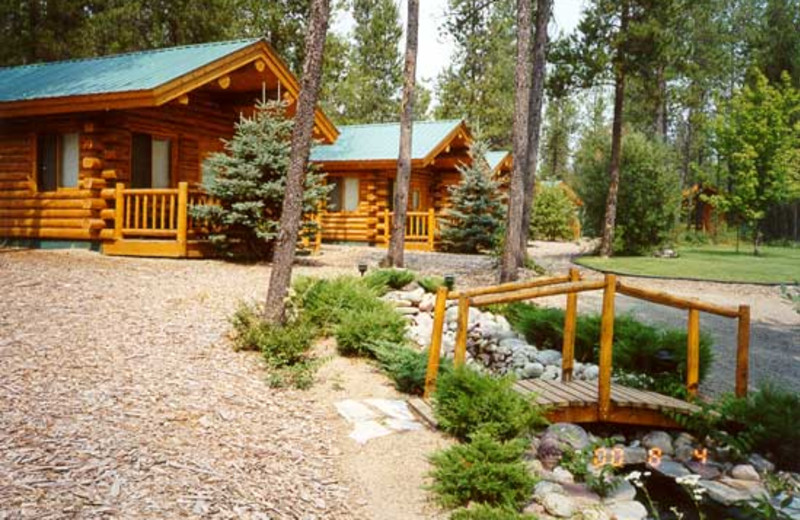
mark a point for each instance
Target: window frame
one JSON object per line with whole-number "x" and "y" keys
{"x": 173, "y": 170}
{"x": 36, "y": 139}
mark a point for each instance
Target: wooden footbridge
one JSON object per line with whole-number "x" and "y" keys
{"x": 583, "y": 401}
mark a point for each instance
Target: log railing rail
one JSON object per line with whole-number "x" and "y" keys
{"x": 571, "y": 285}
{"x": 420, "y": 227}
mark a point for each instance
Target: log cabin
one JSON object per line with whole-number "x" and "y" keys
{"x": 106, "y": 153}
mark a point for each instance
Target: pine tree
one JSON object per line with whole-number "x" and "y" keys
{"x": 560, "y": 125}
{"x": 248, "y": 180}
{"x": 472, "y": 223}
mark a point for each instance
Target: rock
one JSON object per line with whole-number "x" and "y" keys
{"x": 659, "y": 439}
{"x": 567, "y": 434}
{"x": 671, "y": 469}
{"x": 427, "y": 303}
{"x": 706, "y": 471}
{"x": 514, "y": 344}
{"x": 789, "y": 506}
{"x": 726, "y": 495}
{"x": 534, "y": 466}
{"x": 684, "y": 452}
{"x": 684, "y": 438}
{"x": 451, "y": 315}
{"x": 622, "y": 493}
{"x": 593, "y": 513}
{"x": 531, "y": 370}
{"x": 558, "y": 505}
{"x": 626, "y": 510}
{"x": 544, "y": 488}
{"x": 407, "y": 311}
{"x": 551, "y": 373}
{"x": 549, "y": 357}
{"x": 591, "y": 372}
{"x": 755, "y": 489}
{"x": 634, "y": 455}
{"x": 760, "y": 464}
{"x": 401, "y": 303}
{"x": 745, "y": 472}
{"x": 549, "y": 452}
{"x": 562, "y": 476}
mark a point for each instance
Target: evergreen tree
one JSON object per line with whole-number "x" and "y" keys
{"x": 370, "y": 91}
{"x": 476, "y": 84}
{"x": 472, "y": 223}
{"x": 560, "y": 124}
{"x": 249, "y": 180}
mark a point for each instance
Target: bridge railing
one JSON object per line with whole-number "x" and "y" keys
{"x": 571, "y": 285}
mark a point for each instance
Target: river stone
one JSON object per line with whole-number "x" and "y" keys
{"x": 622, "y": 493}
{"x": 549, "y": 452}
{"x": 684, "y": 452}
{"x": 427, "y": 303}
{"x": 684, "y": 438}
{"x": 626, "y": 510}
{"x": 567, "y": 434}
{"x": 634, "y": 455}
{"x": 592, "y": 513}
{"x": 591, "y": 372}
{"x": 551, "y": 373}
{"x": 671, "y": 469}
{"x": 544, "y": 488}
{"x": 549, "y": 357}
{"x": 706, "y": 471}
{"x": 725, "y": 495}
{"x": 659, "y": 439}
{"x": 407, "y": 311}
{"x": 514, "y": 344}
{"x": 761, "y": 464}
{"x": 755, "y": 489}
{"x": 562, "y": 476}
{"x": 745, "y": 472}
{"x": 531, "y": 370}
{"x": 558, "y": 505}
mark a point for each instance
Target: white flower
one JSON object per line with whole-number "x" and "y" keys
{"x": 633, "y": 475}
{"x": 688, "y": 480}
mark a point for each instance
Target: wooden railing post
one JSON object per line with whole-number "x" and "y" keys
{"x": 431, "y": 228}
{"x": 387, "y": 226}
{"x": 606, "y": 348}
{"x": 693, "y": 353}
{"x": 435, "y": 349}
{"x": 119, "y": 209}
{"x": 318, "y": 234}
{"x": 183, "y": 215}
{"x": 570, "y": 324}
{"x": 460, "y": 354}
{"x": 743, "y": 351}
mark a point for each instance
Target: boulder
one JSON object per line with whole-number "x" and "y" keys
{"x": 544, "y": 488}
{"x": 427, "y": 303}
{"x": 706, "y": 471}
{"x": 567, "y": 435}
{"x": 549, "y": 452}
{"x": 726, "y": 495}
{"x": 591, "y": 372}
{"x": 558, "y": 505}
{"x": 549, "y": 357}
{"x": 562, "y": 476}
{"x": 514, "y": 344}
{"x": 593, "y": 513}
{"x": 669, "y": 468}
{"x": 407, "y": 311}
{"x": 659, "y": 439}
{"x": 684, "y": 452}
{"x": 745, "y": 472}
{"x": 531, "y": 370}
{"x": 760, "y": 464}
{"x": 626, "y": 510}
{"x": 622, "y": 493}
{"x": 551, "y": 373}
{"x": 634, "y": 455}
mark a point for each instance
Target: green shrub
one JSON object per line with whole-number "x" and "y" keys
{"x": 325, "y": 302}
{"x": 484, "y": 512}
{"x": 384, "y": 280}
{"x": 360, "y": 331}
{"x": 553, "y": 215}
{"x": 246, "y": 323}
{"x": 649, "y": 190}
{"x": 431, "y": 283}
{"x": 407, "y": 367}
{"x": 485, "y": 470}
{"x": 638, "y": 347}
{"x": 466, "y": 403}
{"x": 285, "y": 345}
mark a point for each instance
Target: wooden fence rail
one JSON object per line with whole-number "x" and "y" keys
{"x": 571, "y": 285}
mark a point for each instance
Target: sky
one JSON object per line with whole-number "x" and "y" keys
{"x": 434, "y": 50}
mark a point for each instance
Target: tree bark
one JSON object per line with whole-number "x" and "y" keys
{"x": 286, "y": 243}
{"x": 511, "y": 248}
{"x": 607, "y": 242}
{"x": 397, "y": 241}
{"x": 543, "y": 10}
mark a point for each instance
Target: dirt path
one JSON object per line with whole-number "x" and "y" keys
{"x": 775, "y": 330}
{"x": 120, "y": 397}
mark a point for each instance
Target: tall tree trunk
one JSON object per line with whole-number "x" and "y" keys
{"x": 660, "y": 115}
{"x": 397, "y": 242}
{"x": 511, "y": 247}
{"x": 607, "y": 242}
{"x": 281, "y": 276}
{"x": 543, "y": 9}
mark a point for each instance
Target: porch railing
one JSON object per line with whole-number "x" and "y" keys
{"x": 420, "y": 227}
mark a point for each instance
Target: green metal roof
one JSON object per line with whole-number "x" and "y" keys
{"x": 495, "y": 157}
{"x": 119, "y": 73}
{"x": 381, "y": 141}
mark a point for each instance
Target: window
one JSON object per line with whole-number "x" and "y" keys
{"x": 344, "y": 194}
{"x": 415, "y": 200}
{"x": 150, "y": 162}
{"x": 57, "y": 162}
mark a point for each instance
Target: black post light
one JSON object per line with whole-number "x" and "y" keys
{"x": 450, "y": 281}
{"x": 362, "y": 268}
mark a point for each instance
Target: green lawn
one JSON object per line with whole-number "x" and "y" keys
{"x": 719, "y": 263}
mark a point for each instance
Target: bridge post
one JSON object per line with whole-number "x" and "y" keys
{"x": 693, "y": 353}
{"x": 570, "y": 324}
{"x": 460, "y": 354}
{"x": 743, "y": 351}
{"x": 606, "y": 347}
{"x": 434, "y": 351}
